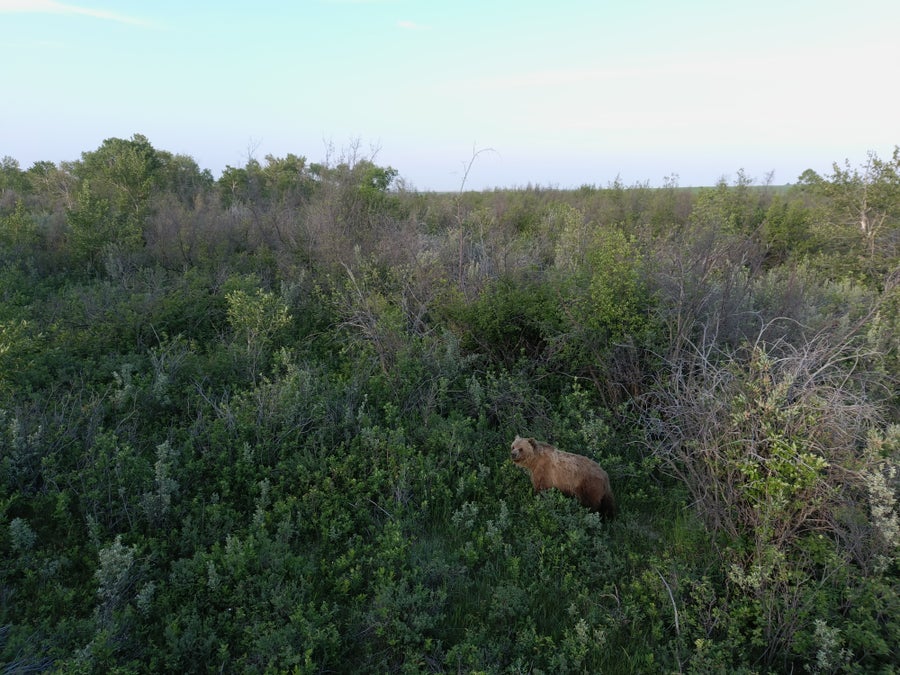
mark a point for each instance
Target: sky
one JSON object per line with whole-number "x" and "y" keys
{"x": 557, "y": 94}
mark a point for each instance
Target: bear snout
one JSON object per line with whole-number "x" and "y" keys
{"x": 514, "y": 455}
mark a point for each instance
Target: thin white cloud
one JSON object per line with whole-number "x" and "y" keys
{"x": 53, "y": 7}
{"x": 412, "y": 25}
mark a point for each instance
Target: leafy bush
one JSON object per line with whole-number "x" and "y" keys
{"x": 770, "y": 448}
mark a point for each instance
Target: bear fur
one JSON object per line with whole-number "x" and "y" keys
{"x": 571, "y": 474}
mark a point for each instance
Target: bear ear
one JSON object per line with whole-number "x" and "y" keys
{"x": 532, "y": 443}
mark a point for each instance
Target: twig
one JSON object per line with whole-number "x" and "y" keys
{"x": 672, "y": 598}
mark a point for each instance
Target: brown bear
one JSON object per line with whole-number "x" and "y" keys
{"x": 571, "y": 474}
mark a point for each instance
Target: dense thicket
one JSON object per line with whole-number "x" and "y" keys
{"x": 261, "y": 423}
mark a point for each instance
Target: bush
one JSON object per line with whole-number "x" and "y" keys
{"x": 771, "y": 450}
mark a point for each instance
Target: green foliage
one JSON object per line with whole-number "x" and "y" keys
{"x": 574, "y": 236}
{"x": 511, "y": 319}
{"x": 616, "y": 302}
{"x": 786, "y": 230}
{"x": 15, "y": 345}
{"x": 862, "y": 204}
{"x": 242, "y": 185}
{"x": 12, "y": 178}
{"x": 123, "y": 172}
{"x": 273, "y": 435}
{"x": 374, "y": 184}
{"x": 97, "y": 229}
{"x": 607, "y": 308}
{"x": 17, "y": 230}
{"x": 732, "y": 208}
{"x": 256, "y": 320}
{"x": 773, "y": 468}
{"x": 289, "y": 178}
{"x": 282, "y": 180}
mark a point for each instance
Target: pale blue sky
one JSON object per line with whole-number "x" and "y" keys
{"x": 566, "y": 92}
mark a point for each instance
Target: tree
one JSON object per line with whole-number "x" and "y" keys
{"x": 733, "y": 208}
{"x": 117, "y": 182}
{"x": 95, "y": 228}
{"x": 12, "y": 179}
{"x": 607, "y": 304}
{"x": 123, "y": 172}
{"x": 288, "y": 178}
{"x": 255, "y": 320}
{"x": 866, "y": 198}
{"x": 180, "y": 175}
{"x": 53, "y": 185}
{"x": 17, "y": 229}
{"x": 243, "y": 186}
{"x": 786, "y": 230}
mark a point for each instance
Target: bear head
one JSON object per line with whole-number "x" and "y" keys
{"x": 523, "y": 449}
